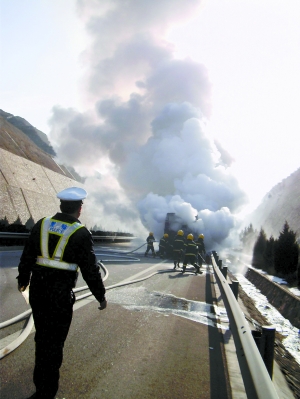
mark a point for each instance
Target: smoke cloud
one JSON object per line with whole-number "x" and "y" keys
{"x": 144, "y": 144}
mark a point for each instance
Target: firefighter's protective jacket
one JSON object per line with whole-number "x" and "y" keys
{"x": 179, "y": 243}
{"x": 191, "y": 248}
{"x": 201, "y": 246}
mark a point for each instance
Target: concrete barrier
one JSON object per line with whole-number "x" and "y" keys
{"x": 285, "y": 302}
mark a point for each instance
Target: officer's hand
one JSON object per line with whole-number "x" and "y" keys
{"x": 103, "y": 304}
{"x": 22, "y": 288}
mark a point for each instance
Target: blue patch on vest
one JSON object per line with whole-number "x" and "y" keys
{"x": 58, "y": 227}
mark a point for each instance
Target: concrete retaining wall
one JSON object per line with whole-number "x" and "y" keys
{"x": 286, "y": 303}
{"x": 28, "y": 190}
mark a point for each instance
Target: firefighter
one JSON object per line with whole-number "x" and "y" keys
{"x": 191, "y": 253}
{"x": 164, "y": 245}
{"x": 201, "y": 249}
{"x": 150, "y": 244}
{"x": 178, "y": 248}
{"x": 56, "y": 248}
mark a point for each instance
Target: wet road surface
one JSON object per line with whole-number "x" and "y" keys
{"x": 158, "y": 338}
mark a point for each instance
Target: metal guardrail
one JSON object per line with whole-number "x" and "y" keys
{"x": 13, "y": 235}
{"x": 257, "y": 381}
{"x": 26, "y": 235}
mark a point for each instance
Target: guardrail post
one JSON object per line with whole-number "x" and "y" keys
{"x": 215, "y": 254}
{"x": 235, "y": 288}
{"x": 265, "y": 343}
{"x": 267, "y": 347}
{"x": 257, "y": 339}
{"x": 220, "y": 263}
{"x": 257, "y": 381}
{"x": 224, "y": 271}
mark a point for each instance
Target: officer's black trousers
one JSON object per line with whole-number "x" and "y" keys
{"x": 52, "y": 309}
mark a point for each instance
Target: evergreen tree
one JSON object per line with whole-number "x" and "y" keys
{"x": 248, "y": 231}
{"x": 269, "y": 255}
{"x": 248, "y": 237}
{"x": 259, "y": 250}
{"x": 286, "y": 252}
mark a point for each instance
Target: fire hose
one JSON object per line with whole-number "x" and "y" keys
{"x": 29, "y": 325}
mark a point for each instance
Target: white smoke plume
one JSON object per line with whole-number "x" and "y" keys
{"x": 144, "y": 144}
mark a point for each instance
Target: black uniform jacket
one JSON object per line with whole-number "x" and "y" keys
{"x": 163, "y": 242}
{"x": 79, "y": 250}
{"x": 179, "y": 243}
{"x": 191, "y": 248}
{"x": 150, "y": 240}
{"x": 201, "y": 246}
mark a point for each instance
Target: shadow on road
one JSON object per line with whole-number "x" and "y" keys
{"x": 219, "y": 379}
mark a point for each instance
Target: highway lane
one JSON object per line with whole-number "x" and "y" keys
{"x": 157, "y": 338}
{"x": 120, "y": 266}
{"x": 12, "y": 302}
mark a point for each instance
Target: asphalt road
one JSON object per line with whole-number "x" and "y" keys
{"x": 158, "y": 338}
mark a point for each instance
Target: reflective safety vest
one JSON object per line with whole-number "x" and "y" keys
{"x": 64, "y": 231}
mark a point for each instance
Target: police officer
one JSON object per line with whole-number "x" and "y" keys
{"x": 191, "y": 252}
{"x": 150, "y": 244}
{"x": 56, "y": 248}
{"x": 178, "y": 248}
{"x": 201, "y": 249}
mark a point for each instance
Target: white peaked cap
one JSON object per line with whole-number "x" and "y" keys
{"x": 72, "y": 194}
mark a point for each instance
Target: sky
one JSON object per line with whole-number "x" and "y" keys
{"x": 185, "y": 106}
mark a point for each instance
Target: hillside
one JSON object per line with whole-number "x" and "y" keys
{"x": 29, "y": 178}
{"x": 280, "y": 204}
{"x": 17, "y": 142}
{"x": 35, "y": 135}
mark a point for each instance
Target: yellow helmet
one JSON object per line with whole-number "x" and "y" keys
{"x": 180, "y": 232}
{"x": 150, "y": 234}
{"x": 190, "y": 237}
{"x": 166, "y": 235}
{"x": 201, "y": 236}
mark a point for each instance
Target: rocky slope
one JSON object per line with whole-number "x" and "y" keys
{"x": 15, "y": 141}
{"x": 280, "y": 204}
{"x": 38, "y": 137}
